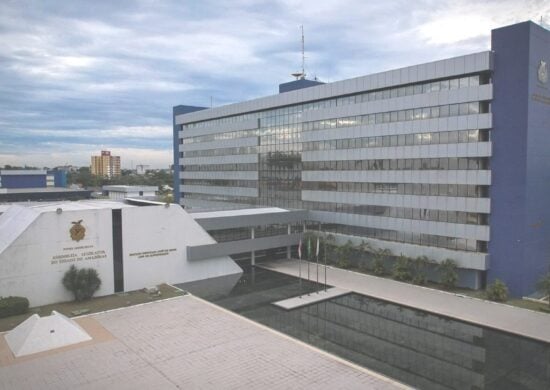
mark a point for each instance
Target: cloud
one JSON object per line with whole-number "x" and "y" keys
{"x": 76, "y": 77}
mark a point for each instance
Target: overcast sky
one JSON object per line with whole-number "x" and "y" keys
{"x": 77, "y": 77}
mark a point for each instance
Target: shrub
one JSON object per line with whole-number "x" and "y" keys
{"x": 10, "y": 306}
{"x": 378, "y": 266}
{"x": 344, "y": 253}
{"x": 544, "y": 285}
{"x": 420, "y": 264}
{"x": 497, "y": 291}
{"x": 343, "y": 263}
{"x": 448, "y": 273}
{"x": 82, "y": 283}
{"x": 402, "y": 269}
{"x": 419, "y": 279}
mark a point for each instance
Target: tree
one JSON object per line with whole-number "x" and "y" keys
{"x": 402, "y": 269}
{"x": 419, "y": 266}
{"x": 82, "y": 283}
{"x": 378, "y": 262}
{"x": 448, "y": 273}
{"x": 84, "y": 178}
{"x": 544, "y": 285}
{"x": 344, "y": 254}
{"x": 378, "y": 265}
{"x": 497, "y": 291}
{"x": 362, "y": 250}
{"x": 365, "y": 247}
{"x": 329, "y": 245}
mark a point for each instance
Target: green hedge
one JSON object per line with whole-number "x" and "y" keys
{"x": 10, "y": 306}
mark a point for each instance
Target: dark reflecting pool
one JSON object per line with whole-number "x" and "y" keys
{"x": 420, "y": 349}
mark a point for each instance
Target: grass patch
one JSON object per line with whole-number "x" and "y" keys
{"x": 93, "y": 305}
{"x": 525, "y": 304}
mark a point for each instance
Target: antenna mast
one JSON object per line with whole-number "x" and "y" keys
{"x": 302, "y": 75}
{"x": 304, "y": 53}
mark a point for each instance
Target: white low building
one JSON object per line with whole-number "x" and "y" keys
{"x": 122, "y": 192}
{"x": 131, "y": 247}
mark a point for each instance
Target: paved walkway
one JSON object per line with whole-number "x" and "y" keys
{"x": 187, "y": 343}
{"x": 308, "y": 299}
{"x": 494, "y": 315}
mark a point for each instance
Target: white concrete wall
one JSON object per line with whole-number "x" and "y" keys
{"x": 39, "y": 250}
{"x": 155, "y": 239}
{"x": 117, "y": 195}
{"x": 35, "y": 262}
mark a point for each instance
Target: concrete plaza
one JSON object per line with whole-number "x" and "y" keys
{"x": 183, "y": 343}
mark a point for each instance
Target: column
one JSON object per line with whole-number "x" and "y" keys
{"x": 288, "y": 247}
{"x": 252, "y": 254}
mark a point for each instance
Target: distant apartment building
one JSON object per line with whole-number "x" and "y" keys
{"x": 141, "y": 169}
{"x": 105, "y": 165}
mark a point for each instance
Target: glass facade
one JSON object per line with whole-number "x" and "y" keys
{"x": 290, "y": 159}
{"x": 370, "y": 96}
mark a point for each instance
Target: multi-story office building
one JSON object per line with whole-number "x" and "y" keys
{"x": 448, "y": 159}
{"x": 105, "y": 165}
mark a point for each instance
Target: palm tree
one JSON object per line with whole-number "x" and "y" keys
{"x": 544, "y": 285}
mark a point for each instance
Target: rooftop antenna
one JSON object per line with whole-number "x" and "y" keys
{"x": 302, "y": 75}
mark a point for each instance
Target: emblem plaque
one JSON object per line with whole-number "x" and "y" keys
{"x": 77, "y": 231}
{"x": 543, "y": 72}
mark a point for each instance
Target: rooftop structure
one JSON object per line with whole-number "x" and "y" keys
{"x": 123, "y": 191}
{"x": 44, "y": 194}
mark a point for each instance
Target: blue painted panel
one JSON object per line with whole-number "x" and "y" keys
{"x": 23, "y": 181}
{"x": 537, "y": 238}
{"x": 520, "y": 216}
{"x": 60, "y": 177}
{"x": 179, "y": 110}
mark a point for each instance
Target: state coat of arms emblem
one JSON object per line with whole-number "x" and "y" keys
{"x": 77, "y": 231}
{"x": 543, "y": 72}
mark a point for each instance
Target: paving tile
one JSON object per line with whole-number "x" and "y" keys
{"x": 187, "y": 343}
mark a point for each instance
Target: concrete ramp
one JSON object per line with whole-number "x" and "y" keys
{"x": 13, "y": 222}
{"x": 39, "y": 334}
